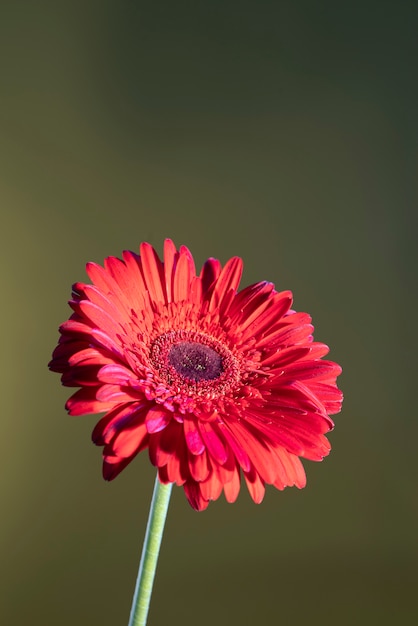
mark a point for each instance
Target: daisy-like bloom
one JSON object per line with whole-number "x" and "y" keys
{"x": 217, "y": 383}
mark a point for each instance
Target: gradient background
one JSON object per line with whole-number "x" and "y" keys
{"x": 282, "y": 132}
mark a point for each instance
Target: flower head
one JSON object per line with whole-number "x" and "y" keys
{"x": 217, "y": 383}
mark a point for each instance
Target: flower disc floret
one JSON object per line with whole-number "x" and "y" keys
{"x": 194, "y": 364}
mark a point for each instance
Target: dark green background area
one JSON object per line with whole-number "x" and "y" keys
{"x": 282, "y": 132}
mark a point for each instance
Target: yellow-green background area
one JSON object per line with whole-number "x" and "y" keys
{"x": 282, "y": 132}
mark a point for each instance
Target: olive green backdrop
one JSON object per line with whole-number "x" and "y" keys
{"x": 282, "y": 132}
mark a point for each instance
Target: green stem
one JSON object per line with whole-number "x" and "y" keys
{"x": 150, "y": 551}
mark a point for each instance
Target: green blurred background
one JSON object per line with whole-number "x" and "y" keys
{"x": 282, "y": 132}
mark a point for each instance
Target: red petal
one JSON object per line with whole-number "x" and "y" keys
{"x": 275, "y": 432}
{"x": 317, "y": 350}
{"x": 231, "y": 489}
{"x": 101, "y": 278}
{"x": 174, "y": 471}
{"x": 116, "y": 374}
{"x": 209, "y": 274}
{"x": 194, "y": 496}
{"x": 117, "y": 394}
{"x": 199, "y": 466}
{"x": 193, "y": 439}
{"x": 229, "y": 279}
{"x": 265, "y": 315}
{"x": 211, "y": 488}
{"x": 288, "y": 336}
{"x": 66, "y": 348}
{"x": 123, "y": 416}
{"x": 130, "y": 441}
{"x": 280, "y": 358}
{"x": 157, "y": 419}
{"x": 292, "y": 473}
{"x": 330, "y": 396}
{"x": 164, "y": 444}
{"x": 306, "y": 370}
{"x": 113, "y": 465}
{"x": 89, "y": 356}
{"x": 238, "y": 451}
{"x": 121, "y": 279}
{"x": 255, "y": 486}
{"x": 184, "y": 273}
{"x": 213, "y": 443}
{"x": 100, "y": 319}
{"x": 152, "y": 269}
{"x": 297, "y": 395}
{"x": 249, "y": 299}
{"x": 95, "y": 296}
{"x": 95, "y": 336}
{"x": 177, "y": 466}
{"x": 132, "y": 282}
{"x": 111, "y": 281}
{"x": 170, "y": 261}
{"x": 195, "y": 293}
{"x": 256, "y": 450}
{"x": 84, "y": 402}
{"x": 83, "y": 375}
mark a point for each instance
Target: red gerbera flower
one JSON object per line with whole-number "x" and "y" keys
{"x": 217, "y": 383}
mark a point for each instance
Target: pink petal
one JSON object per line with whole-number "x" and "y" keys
{"x": 157, "y": 419}
{"x": 115, "y": 374}
{"x": 116, "y": 394}
{"x": 192, "y": 435}
{"x": 89, "y": 356}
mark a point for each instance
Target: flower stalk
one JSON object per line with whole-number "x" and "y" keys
{"x": 150, "y": 552}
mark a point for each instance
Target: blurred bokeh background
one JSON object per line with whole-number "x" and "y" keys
{"x": 282, "y": 132}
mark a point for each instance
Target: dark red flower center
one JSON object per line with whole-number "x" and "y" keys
{"x": 195, "y": 361}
